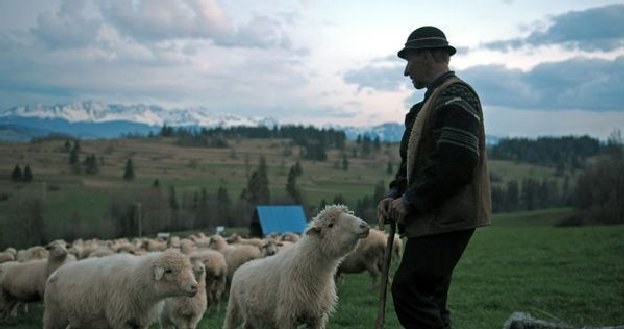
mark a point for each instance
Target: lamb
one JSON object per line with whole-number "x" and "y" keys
{"x": 26, "y": 282}
{"x": 296, "y": 286}
{"x": 216, "y": 275}
{"x": 186, "y": 312}
{"x": 118, "y": 291}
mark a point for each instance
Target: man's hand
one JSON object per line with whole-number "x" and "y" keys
{"x": 398, "y": 211}
{"x": 384, "y": 211}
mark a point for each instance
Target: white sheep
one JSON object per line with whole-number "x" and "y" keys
{"x": 235, "y": 255}
{"x": 119, "y": 291}
{"x": 216, "y": 275}
{"x": 296, "y": 286}
{"x": 186, "y": 312}
{"x": 8, "y": 255}
{"x": 367, "y": 257}
{"x": 26, "y": 282}
{"x": 32, "y": 253}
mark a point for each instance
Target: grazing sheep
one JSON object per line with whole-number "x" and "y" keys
{"x": 297, "y": 286}
{"x": 32, "y": 253}
{"x": 235, "y": 238}
{"x": 235, "y": 255}
{"x": 119, "y": 291}
{"x": 186, "y": 312}
{"x": 216, "y": 275}
{"x": 8, "y": 255}
{"x": 26, "y": 282}
{"x": 367, "y": 257}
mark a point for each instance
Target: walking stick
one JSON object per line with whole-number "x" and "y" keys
{"x": 381, "y": 314}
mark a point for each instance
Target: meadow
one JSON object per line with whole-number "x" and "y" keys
{"x": 66, "y": 195}
{"x": 520, "y": 263}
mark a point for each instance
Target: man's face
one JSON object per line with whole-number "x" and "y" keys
{"x": 417, "y": 68}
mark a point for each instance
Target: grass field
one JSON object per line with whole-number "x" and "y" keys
{"x": 520, "y": 263}
{"x": 190, "y": 169}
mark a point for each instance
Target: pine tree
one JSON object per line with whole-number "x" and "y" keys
{"x": 91, "y": 166}
{"x": 345, "y": 162}
{"x": 291, "y": 186}
{"x": 16, "y": 176}
{"x": 129, "y": 171}
{"x": 28, "y": 175}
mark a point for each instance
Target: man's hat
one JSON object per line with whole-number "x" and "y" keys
{"x": 426, "y": 37}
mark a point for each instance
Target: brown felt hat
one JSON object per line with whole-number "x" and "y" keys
{"x": 426, "y": 37}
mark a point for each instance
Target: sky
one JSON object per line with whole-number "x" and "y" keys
{"x": 541, "y": 68}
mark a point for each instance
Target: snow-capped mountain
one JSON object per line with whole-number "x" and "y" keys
{"x": 100, "y": 120}
{"x": 150, "y": 115}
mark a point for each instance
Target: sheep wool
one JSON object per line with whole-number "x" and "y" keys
{"x": 118, "y": 291}
{"x": 298, "y": 282}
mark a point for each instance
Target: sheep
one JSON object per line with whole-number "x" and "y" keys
{"x": 235, "y": 255}
{"x": 235, "y": 238}
{"x": 8, "y": 255}
{"x": 367, "y": 257}
{"x": 186, "y": 312}
{"x": 297, "y": 286}
{"x": 187, "y": 246}
{"x": 32, "y": 253}
{"x": 216, "y": 275}
{"x": 118, "y": 291}
{"x": 26, "y": 282}
{"x": 151, "y": 245}
{"x": 289, "y": 236}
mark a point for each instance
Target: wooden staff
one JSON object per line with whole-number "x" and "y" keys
{"x": 381, "y": 314}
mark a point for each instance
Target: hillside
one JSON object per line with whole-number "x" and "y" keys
{"x": 90, "y": 200}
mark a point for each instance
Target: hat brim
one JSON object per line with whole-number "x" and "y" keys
{"x": 403, "y": 52}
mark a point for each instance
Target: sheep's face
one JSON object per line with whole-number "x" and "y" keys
{"x": 339, "y": 230}
{"x": 199, "y": 271}
{"x": 174, "y": 275}
{"x": 57, "y": 249}
{"x": 269, "y": 248}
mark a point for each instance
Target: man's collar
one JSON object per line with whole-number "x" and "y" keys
{"x": 437, "y": 82}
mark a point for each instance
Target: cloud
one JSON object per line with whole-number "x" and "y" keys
{"x": 579, "y": 83}
{"x": 593, "y": 30}
{"x": 67, "y": 27}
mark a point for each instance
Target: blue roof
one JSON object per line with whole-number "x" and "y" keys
{"x": 282, "y": 219}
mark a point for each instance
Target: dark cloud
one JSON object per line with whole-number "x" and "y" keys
{"x": 591, "y": 30}
{"x": 579, "y": 83}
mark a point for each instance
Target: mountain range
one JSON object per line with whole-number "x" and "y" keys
{"x": 100, "y": 120}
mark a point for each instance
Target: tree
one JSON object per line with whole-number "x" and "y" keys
{"x": 223, "y": 204}
{"x": 91, "y": 166}
{"x": 129, "y": 171}
{"x": 74, "y": 154}
{"x": 28, "y": 175}
{"x": 16, "y": 176}
{"x": 345, "y": 162}
{"x": 291, "y": 186}
{"x": 257, "y": 191}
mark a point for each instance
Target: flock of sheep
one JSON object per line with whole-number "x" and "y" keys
{"x": 174, "y": 282}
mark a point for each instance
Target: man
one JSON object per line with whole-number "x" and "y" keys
{"x": 441, "y": 191}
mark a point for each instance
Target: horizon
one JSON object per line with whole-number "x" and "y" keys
{"x": 547, "y": 68}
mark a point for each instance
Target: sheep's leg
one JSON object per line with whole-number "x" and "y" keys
{"x": 319, "y": 323}
{"x": 233, "y": 319}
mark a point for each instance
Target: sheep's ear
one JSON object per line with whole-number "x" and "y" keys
{"x": 314, "y": 231}
{"x": 159, "y": 271}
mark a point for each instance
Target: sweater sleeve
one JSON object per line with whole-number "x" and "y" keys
{"x": 450, "y": 166}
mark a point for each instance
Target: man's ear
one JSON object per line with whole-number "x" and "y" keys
{"x": 159, "y": 271}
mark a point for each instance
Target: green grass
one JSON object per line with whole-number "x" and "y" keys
{"x": 520, "y": 263}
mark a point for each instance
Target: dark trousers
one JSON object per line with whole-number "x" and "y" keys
{"x": 420, "y": 284}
